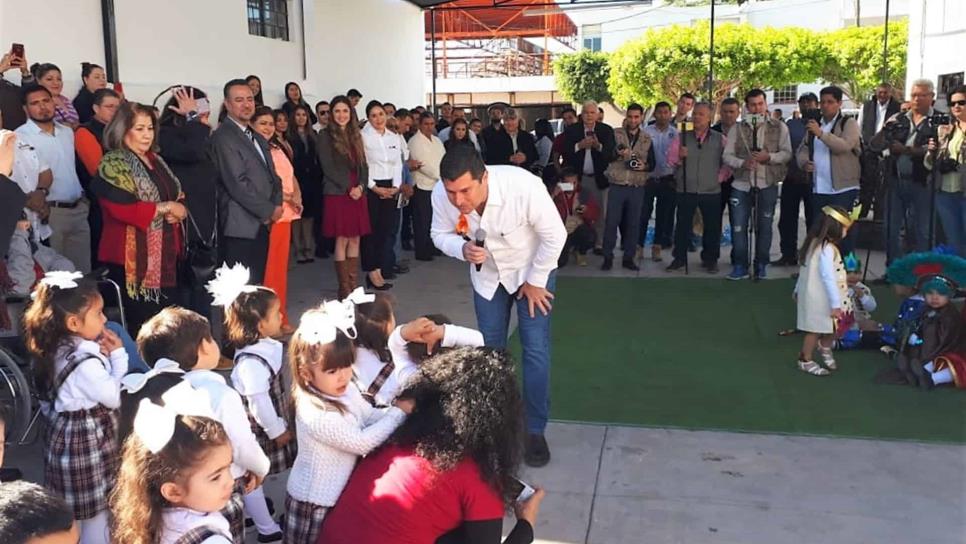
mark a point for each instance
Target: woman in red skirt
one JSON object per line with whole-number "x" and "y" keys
{"x": 345, "y": 211}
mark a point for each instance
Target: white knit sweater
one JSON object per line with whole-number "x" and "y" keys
{"x": 330, "y": 443}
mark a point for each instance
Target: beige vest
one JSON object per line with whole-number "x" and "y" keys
{"x": 772, "y": 144}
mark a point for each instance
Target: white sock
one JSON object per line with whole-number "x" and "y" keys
{"x": 94, "y": 530}
{"x": 929, "y": 366}
{"x": 943, "y": 376}
{"x": 257, "y": 508}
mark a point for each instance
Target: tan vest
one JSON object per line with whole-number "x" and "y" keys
{"x": 771, "y": 144}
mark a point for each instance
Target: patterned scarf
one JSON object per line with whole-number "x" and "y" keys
{"x": 144, "y": 268}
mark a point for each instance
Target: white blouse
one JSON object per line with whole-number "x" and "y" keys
{"x": 175, "y": 522}
{"x": 95, "y": 381}
{"x": 384, "y": 155}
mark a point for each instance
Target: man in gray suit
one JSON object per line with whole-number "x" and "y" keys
{"x": 250, "y": 199}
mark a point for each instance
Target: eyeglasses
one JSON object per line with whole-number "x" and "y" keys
{"x": 324, "y": 112}
{"x": 955, "y": 103}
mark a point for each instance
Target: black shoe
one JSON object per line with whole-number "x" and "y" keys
{"x": 630, "y": 265}
{"x": 407, "y": 245}
{"x": 249, "y": 523}
{"x": 384, "y": 287}
{"x": 785, "y": 261}
{"x": 598, "y": 251}
{"x": 274, "y": 537}
{"x": 676, "y": 264}
{"x": 608, "y": 263}
{"x": 400, "y": 269}
{"x": 437, "y": 252}
{"x": 537, "y": 452}
{"x": 711, "y": 267}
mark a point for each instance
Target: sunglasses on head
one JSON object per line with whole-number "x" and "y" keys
{"x": 955, "y": 103}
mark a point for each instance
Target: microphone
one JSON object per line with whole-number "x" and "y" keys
{"x": 480, "y": 241}
{"x": 755, "y": 119}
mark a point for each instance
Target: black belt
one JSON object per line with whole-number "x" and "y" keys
{"x": 65, "y": 205}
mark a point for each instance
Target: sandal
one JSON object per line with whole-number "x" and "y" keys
{"x": 827, "y": 358}
{"x": 812, "y": 368}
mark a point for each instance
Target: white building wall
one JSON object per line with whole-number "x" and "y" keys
{"x": 937, "y": 38}
{"x": 373, "y": 45}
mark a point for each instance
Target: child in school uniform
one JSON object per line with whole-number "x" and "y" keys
{"x": 252, "y": 319}
{"x": 821, "y": 293}
{"x": 334, "y": 424}
{"x": 78, "y": 366}
{"x": 175, "y": 475}
{"x": 184, "y": 337}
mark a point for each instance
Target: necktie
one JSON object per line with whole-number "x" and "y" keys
{"x": 251, "y": 136}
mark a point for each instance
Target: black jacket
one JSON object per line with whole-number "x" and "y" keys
{"x": 869, "y": 111}
{"x": 900, "y": 134}
{"x": 308, "y": 173}
{"x": 185, "y": 149}
{"x": 84, "y": 104}
{"x": 500, "y": 147}
{"x": 602, "y": 158}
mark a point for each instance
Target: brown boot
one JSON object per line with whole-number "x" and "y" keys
{"x": 342, "y": 276}
{"x": 352, "y": 270}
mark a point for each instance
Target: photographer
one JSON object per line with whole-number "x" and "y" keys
{"x": 797, "y": 187}
{"x": 589, "y": 148}
{"x": 830, "y": 153}
{"x": 951, "y": 160}
{"x": 628, "y": 176}
{"x": 902, "y": 141}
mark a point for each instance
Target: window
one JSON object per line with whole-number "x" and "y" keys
{"x": 591, "y": 37}
{"x": 268, "y": 18}
{"x": 786, "y": 95}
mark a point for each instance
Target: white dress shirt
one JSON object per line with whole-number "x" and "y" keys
{"x": 27, "y": 167}
{"x": 525, "y": 234}
{"x": 252, "y": 380}
{"x": 175, "y": 522}
{"x": 95, "y": 381}
{"x": 428, "y": 151}
{"x": 384, "y": 154}
{"x": 57, "y": 152}
{"x": 227, "y": 408}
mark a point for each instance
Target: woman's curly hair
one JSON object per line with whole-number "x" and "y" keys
{"x": 467, "y": 405}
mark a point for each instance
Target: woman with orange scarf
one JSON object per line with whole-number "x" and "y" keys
{"x": 140, "y": 198}
{"x": 280, "y": 238}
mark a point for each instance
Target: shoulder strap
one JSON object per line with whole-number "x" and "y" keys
{"x": 74, "y": 360}
{"x": 258, "y": 357}
{"x": 197, "y": 535}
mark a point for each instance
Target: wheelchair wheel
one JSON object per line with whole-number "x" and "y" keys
{"x": 14, "y": 394}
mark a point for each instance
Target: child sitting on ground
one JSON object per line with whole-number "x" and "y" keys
{"x": 865, "y": 332}
{"x": 30, "y": 514}
{"x": 175, "y": 475}
{"x": 184, "y": 337}
{"x": 253, "y": 318}
{"x": 578, "y": 217}
{"x": 822, "y": 291}
{"x": 334, "y": 424}
{"x": 78, "y": 367}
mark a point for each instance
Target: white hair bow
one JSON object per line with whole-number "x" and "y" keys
{"x": 154, "y": 424}
{"x": 321, "y": 326}
{"x": 132, "y": 383}
{"x": 228, "y": 283}
{"x": 61, "y": 279}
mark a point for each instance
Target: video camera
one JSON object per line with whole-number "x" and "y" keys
{"x": 812, "y": 114}
{"x": 939, "y": 119}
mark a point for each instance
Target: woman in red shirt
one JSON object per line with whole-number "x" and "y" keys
{"x": 449, "y": 472}
{"x": 141, "y": 243}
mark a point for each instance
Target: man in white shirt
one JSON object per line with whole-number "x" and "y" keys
{"x": 428, "y": 150}
{"x": 54, "y": 144}
{"x": 510, "y": 211}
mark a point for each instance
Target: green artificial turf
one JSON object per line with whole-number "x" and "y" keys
{"x": 705, "y": 354}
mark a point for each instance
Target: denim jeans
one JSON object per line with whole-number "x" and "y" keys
{"x": 845, "y": 201}
{"x": 663, "y": 191}
{"x": 493, "y": 318}
{"x": 740, "y": 211}
{"x": 909, "y": 207}
{"x": 951, "y": 209}
{"x": 624, "y": 204}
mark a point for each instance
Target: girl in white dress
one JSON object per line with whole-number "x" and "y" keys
{"x": 822, "y": 289}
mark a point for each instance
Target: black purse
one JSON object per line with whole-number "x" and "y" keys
{"x": 202, "y": 255}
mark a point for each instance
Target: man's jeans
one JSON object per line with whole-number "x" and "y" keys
{"x": 493, "y": 318}
{"x": 951, "y": 209}
{"x": 909, "y": 206}
{"x": 663, "y": 191}
{"x": 845, "y": 201}
{"x": 740, "y": 212}
{"x": 624, "y": 205}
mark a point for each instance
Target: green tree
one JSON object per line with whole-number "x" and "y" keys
{"x": 666, "y": 62}
{"x": 855, "y": 58}
{"x": 582, "y": 76}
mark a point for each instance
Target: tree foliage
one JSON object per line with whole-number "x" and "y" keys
{"x": 668, "y": 61}
{"x": 855, "y": 61}
{"x": 583, "y": 76}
